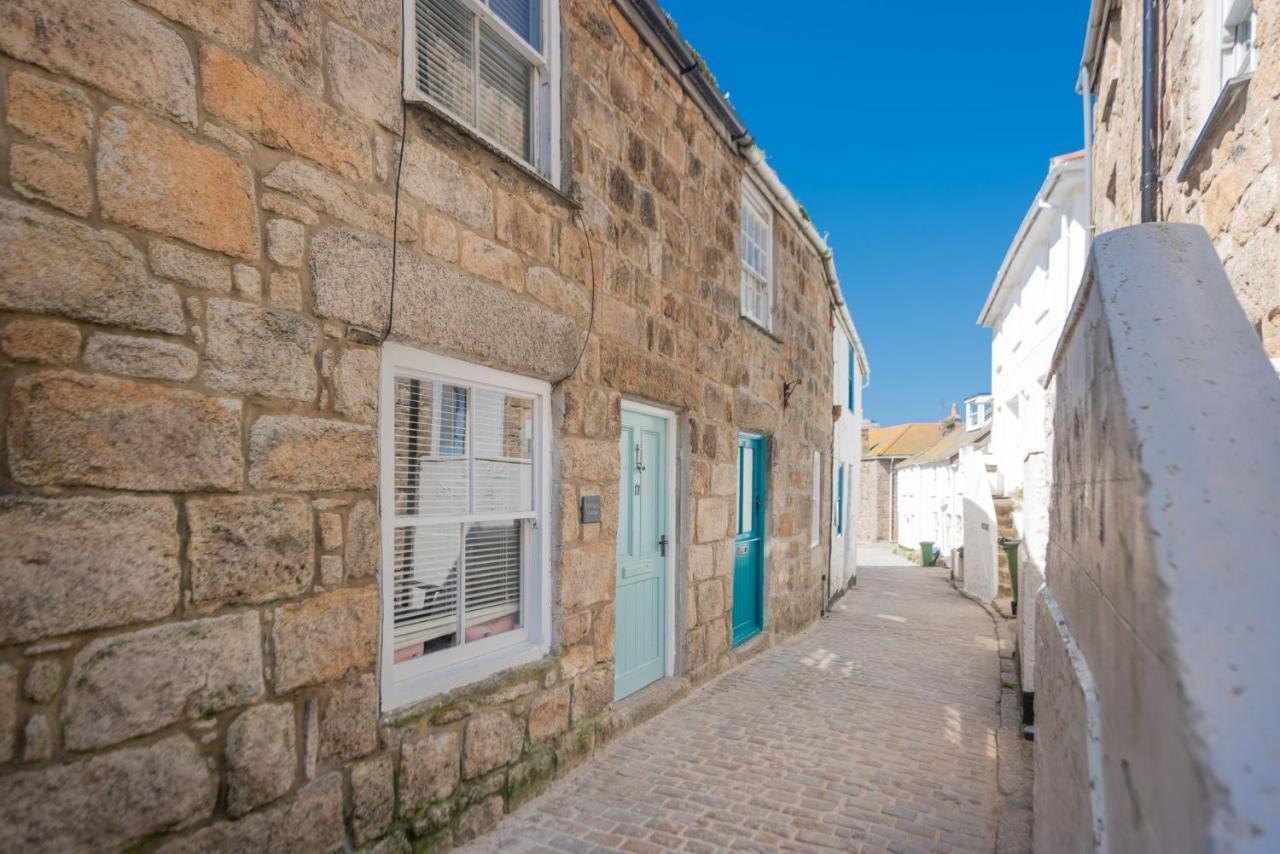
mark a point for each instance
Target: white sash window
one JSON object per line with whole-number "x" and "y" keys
{"x": 756, "y": 251}
{"x": 1239, "y": 43}
{"x": 493, "y": 66}
{"x": 463, "y": 492}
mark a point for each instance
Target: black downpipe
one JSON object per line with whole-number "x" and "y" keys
{"x": 1150, "y": 33}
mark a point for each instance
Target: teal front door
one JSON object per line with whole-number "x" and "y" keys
{"x": 641, "y": 601}
{"x": 748, "y": 545}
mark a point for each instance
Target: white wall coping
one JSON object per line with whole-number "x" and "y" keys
{"x": 1203, "y": 404}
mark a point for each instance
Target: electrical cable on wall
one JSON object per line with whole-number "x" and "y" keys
{"x": 591, "y": 320}
{"x": 395, "y": 212}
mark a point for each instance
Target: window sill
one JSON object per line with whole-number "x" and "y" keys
{"x": 1231, "y": 97}
{"x": 760, "y": 327}
{"x": 407, "y": 696}
{"x": 497, "y": 151}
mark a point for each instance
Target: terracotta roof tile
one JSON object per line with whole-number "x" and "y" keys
{"x": 901, "y": 440}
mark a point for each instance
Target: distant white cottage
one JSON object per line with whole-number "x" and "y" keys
{"x": 1026, "y": 311}
{"x": 931, "y": 484}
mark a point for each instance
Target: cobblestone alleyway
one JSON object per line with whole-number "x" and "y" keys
{"x": 875, "y": 730}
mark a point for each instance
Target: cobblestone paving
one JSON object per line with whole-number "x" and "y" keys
{"x": 873, "y": 731}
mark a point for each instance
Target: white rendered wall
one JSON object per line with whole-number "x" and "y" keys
{"x": 1045, "y": 275}
{"x": 929, "y": 506}
{"x": 847, "y": 453}
{"x": 980, "y": 566}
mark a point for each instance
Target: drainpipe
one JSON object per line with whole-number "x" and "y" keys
{"x": 1086, "y": 90}
{"x": 1149, "y": 35}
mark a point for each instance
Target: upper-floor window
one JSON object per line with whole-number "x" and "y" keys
{"x": 463, "y": 496}
{"x": 1239, "y": 46}
{"x": 976, "y": 413}
{"x": 492, "y": 65}
{"x": 757, "y": 256}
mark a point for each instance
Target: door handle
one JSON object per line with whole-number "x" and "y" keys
{"x": 662, "y": 545}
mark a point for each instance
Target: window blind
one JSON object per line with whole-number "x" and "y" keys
{"x": 505, "y": 105}
{"x": 446, "y": 55}
{"x": 471, "y": 67}
{"x": 463, "y": 495}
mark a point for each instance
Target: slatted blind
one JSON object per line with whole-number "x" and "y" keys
{"x": 493, "y": 571}
{"x": 463, "y": 494}
{"x": 426, "y": 585}
{"x": 475, "y": 72}
{"x": 446, "y": 55}
{"x": 505, "y": 105}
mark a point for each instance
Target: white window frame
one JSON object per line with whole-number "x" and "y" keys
{"x": 815, "y": 514}
{"x": 754, "y": 199}
{"x": 545, "y": 95}
{"x": 1234, "y": 59}
{"x": 411, "y": 681}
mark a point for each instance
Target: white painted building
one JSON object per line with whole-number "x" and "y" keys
{"x": 850, "y": 376}
{"x": 1026, "y": 311}
{"x": 931, "y": 487}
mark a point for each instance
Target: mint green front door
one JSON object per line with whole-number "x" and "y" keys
{"x": 641, "y": 600}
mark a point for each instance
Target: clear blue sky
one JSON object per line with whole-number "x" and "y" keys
{"x": 916, "y": 134}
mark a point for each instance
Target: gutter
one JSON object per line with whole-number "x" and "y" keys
{"x": 1098, "y": 13}
{"x": 647, "y": 16}
{"x": 652, "y": 22}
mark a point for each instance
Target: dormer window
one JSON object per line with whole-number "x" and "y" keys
{"x": 977, "y": 412}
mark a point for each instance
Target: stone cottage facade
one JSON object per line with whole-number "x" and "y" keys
{"x": 295, "y": 559}
{"x": 1218, "y": 137}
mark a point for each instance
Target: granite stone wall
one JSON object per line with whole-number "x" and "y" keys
{"x": 876, "y": 505}
{"x": 1230, "y": 185}
{"x": 197, "y": 219}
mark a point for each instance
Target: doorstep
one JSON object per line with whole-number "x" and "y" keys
{"x": 645, "y": 703}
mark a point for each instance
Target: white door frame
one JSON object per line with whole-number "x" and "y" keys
{"x": 669, "y": 630}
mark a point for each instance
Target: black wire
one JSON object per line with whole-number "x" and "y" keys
{"x": 591, "y": 321}
{"x": 395, "y": 215}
